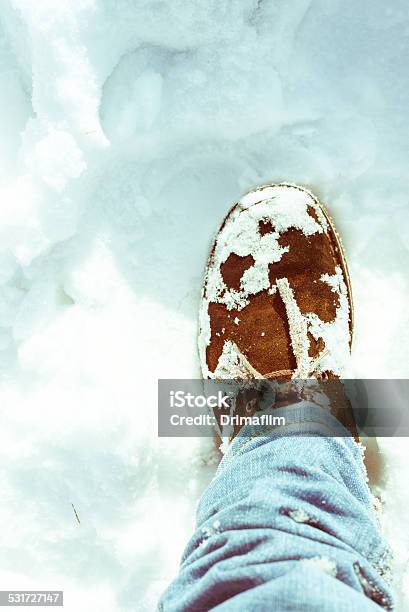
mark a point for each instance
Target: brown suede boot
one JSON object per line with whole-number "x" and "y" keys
{"x": 276, "y": 295}
{"x": 276, "y": 300}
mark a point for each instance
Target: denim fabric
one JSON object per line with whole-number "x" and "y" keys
{"x": 287, "y": 524}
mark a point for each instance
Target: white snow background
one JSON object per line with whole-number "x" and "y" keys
{"x": 126, "y": 131}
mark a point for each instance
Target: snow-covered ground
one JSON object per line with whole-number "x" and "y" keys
{"x": 126, "y": 131}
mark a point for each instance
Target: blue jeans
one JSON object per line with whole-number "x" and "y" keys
{"x": 287, "y": 523}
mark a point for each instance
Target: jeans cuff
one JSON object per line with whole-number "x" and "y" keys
{"x": 301, "y": 419}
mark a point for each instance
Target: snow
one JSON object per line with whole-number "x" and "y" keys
{"x": 127, "y": 131}
{"x": 299, "y": 516}
{"x": 324, "y": 564}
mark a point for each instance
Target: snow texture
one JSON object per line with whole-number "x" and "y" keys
{"x": 127, "y": 131}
